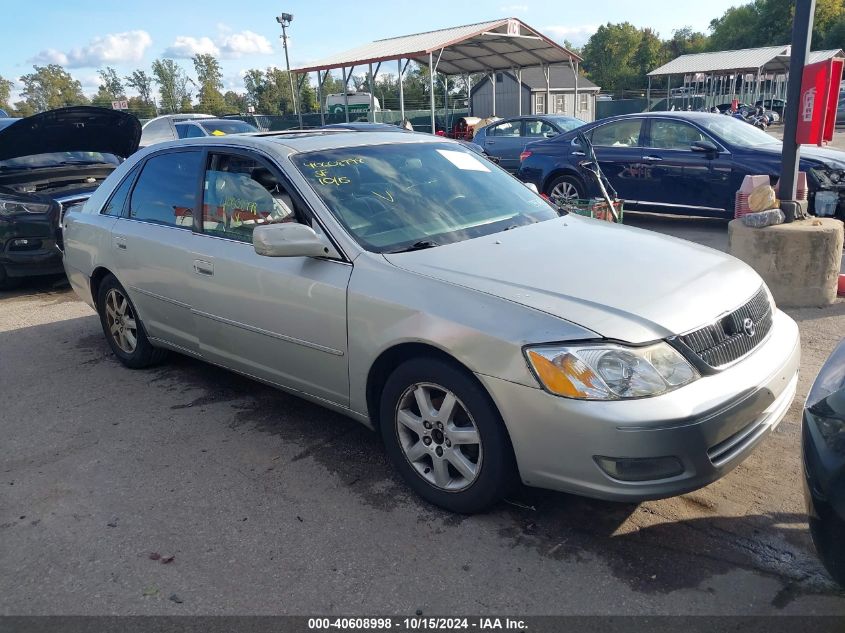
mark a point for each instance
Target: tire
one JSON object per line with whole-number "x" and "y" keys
{"x": 427, "y": 457}
{"x": 123, "y": 328}
{"x": 569, "y": 188}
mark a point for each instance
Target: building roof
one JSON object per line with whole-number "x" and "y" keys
{"x": 768, "y": 58}
{"x": 560, "y": 78}
{"x": 495, "y": 45}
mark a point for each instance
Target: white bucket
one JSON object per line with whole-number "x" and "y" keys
{"x": 826, "y": 202}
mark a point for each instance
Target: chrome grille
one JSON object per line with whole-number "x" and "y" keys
{"x": 726, "y": 340}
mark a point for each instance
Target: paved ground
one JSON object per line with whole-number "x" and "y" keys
{"x": 269, "y": 504}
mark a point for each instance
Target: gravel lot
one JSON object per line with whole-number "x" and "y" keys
{"x": 271, "y": 505}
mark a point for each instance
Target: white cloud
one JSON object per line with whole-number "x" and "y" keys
{"x": 185, "y": 47}
{"x": 511, "y": 9}
{"x": 245, "y": 43}
{"x": 114, "y": 48}
{"x": 578, "y": 35}
{"x": 227, "y": 45}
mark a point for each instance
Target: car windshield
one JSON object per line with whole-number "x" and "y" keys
{"x": 222, "y": 128}
{"x": 57, "y": 159}
{"x": 736, "y": 132}
{"x": 408, "y": 196}
{"x": 566, "y": 123}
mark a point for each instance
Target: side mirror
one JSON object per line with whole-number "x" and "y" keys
{"x": 532, "y": 187}
{"x": 705, "y": 146}
{"x": 289, "y": 239}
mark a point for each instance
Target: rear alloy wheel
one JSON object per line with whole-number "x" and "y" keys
{"x": 445, "y": 436}
{"x": 566, "y": 189}
{"x": 123, "y": 328}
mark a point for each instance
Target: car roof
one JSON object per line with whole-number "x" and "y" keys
{"x": 295, "y": 141}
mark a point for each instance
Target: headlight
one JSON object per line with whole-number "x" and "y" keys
{"x": 11, "y": 206}
{"x": 610, "y": 372}
{"x": 831, "y": 377}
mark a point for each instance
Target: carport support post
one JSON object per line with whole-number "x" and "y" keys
{"x": 648, "y": 95}
{"x": 401, "y": 93}
{"x": 320, "y": 97}
{"x": 431, "y": 89}
{"x": 493, "y": 81}
{"x": 575, "y": 77}
{"x": 802, "y": 29}
{"x": 518, "y": 73}
{"x": 469, "y": 94}
{"x": 372, "y": 93}
{"x": 345, "y": 95}
{"x": 668, "y": 89}
{"x": 547, "y": 71}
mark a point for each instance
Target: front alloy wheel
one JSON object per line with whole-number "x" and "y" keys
{"x": 438, "y": 437}
{"x": 120, "y": 320}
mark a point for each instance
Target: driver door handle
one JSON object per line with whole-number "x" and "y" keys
{"x": 576, "y": 153}
{"x": 652, "y": 159}
{"x": 202, "y": 267}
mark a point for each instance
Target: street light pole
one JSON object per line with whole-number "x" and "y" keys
{"x": 285, "y": 19}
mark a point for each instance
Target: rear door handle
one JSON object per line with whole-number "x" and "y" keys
{"x": 652, "y": 159}
{"x": 202, "y": 267}
{"x": 488, "y": 142}
{"x": 576, "y": 153}
{"x": 120, "y": 242}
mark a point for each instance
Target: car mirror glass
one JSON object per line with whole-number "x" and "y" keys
{"x": 704, "y": 146}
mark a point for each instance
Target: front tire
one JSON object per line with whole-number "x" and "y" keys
{"x": 445, "y": 436}
{"x": 123, "y": 328}
{"x": 566, "y": 189}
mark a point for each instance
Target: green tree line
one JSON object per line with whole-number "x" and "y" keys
{"x": 616, "y": 57}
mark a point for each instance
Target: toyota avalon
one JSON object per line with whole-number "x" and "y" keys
{"x": 411, "y": 285}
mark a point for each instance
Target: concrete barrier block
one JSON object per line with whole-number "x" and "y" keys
{"x": 799, "y": 261}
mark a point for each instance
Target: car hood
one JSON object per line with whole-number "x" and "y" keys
{"x": 74, "y": 129}
{"x": 620, "y": 282}
{"x": 832, "y": 158}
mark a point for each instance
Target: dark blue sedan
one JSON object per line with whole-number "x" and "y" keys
{"x": 505, "y": 139}
{"x": 688, "y": 163}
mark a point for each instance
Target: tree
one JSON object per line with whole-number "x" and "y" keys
{"x": 111, "y": 88}
{"x": 5, "y": 93}
{"x": 235, "y": 103}
{"x": 684, "y": 42}
{"x": 23, "y": 109}
{"x": 835, "y": 36}
{"x": 210, "y": 83}
{"x": 143, "y": 83}
{"x": 49, "y": 87}
{"x": 610, "y": 56}
{"x": 172, "y": 86}
{"x": 141, "y": 108}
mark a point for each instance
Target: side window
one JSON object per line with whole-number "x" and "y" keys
{"x": 117, "y": 203}
{"x": 505, "y": 129}
{"x": 538, "y": 129}
{"x": 625, "y": 133}
{"x": 240, "y": 193}
{"x": 166, "y": 192}
{"x": 194, "y": 131}
{"x": 673, "y": 135}
{"x": 182, "y": 130}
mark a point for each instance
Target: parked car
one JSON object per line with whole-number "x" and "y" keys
{"x": 689, "y": 163}
{"x": 169, "y": 127}
{"x": 505, "y": 139}
{"x": 404, "y": 282}
{"x": 774, "y": 105}
{"x": 823, "y": 443}
{"x": 840, "y": 110}
{"x": 48, "y": 162}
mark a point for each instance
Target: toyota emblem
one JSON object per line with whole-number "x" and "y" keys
{"x": 748, "y": 327}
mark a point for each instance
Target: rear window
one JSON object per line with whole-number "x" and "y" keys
{"x": 222, "y": 128}
{"x": 167, "y": 190}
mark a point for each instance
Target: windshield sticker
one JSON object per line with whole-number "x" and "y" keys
{"x": 218, "y": 133}
{"x": 462, "y": 160}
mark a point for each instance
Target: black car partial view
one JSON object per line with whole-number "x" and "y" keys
{"x": 49, "y": 162}
{"x": 686, "y": 163}
{"x": 823, "y": 444}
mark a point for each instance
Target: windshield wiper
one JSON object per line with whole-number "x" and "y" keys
{"x": 416, "y": 246}
{"x": 81, "y": 162}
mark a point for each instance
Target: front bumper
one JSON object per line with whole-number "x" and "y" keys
{"x": 710, "y": 426}
{"x": 28, "y": 246}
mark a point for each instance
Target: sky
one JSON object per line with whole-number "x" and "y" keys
{"x": 84, "y": 35}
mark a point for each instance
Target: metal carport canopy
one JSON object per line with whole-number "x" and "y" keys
{"x": 506, "y": 44}
{"x": 473, "y": 48}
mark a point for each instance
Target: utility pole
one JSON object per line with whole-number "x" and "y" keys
{"x": 285, "y": 19}
{"x": 802, "y": 32}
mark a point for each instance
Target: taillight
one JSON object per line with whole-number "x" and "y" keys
{"x": 524, "y": 155}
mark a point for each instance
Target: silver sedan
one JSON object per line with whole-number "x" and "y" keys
{"x": 424, "y": 292}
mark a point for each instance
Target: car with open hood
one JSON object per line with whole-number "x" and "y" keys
{"x": 415, "y": 287}
{"x": 48, "y": 162}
